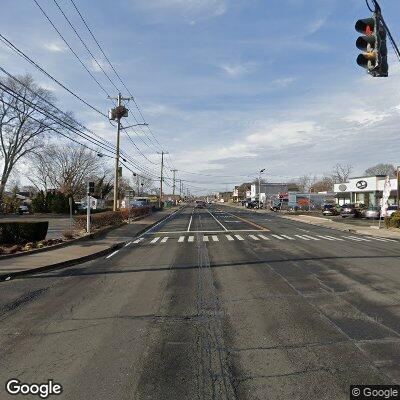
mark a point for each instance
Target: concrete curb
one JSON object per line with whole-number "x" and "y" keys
{"x": 81, "y": 260}
{"x": 63, "y": 244}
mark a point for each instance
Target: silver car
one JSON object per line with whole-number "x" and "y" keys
{"x": 391, "y": 209}
{"x": 373, "y": 213}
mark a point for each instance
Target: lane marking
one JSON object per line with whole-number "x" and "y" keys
{"x": 238, "y": 237}
{"x": 216, "y": 220}
{"x": 181, "y": 239}
{"x": 205, "y": 238}
{"x": 263, "y": 237}
{"x": 191, "y": 238}
{"x": 138, "y": 240}
{"x": 164, "y": 239}
{"x": 278, "y": 237}
{"x": 155, "y": 240}
{"x": 249, "y": 222}
{"x": 129, "y": 243}
{"x": 190, "y": 223}
{"x": 229, "y": 230}
{"x": 301, "y": 237}
{"x": 325, "y": 237}
{"x": 311, "y": 237}
{"x": 288, "y": 237}
{"x": 358, "y": 239}
{"x": 229, "y": 237}
{"x": 164, "y": 220}
{"x": 335, "y": 238}
{"x": 112, "y": 254}
{"x": 254, "y": 237}
{"x": 215, "y": 238}
{"x": 380, "y": 239}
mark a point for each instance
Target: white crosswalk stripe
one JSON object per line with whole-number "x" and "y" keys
{"x": 254, "y": 237}
{"x": 288, "y": 237}
{"x": 278, "y": 237}
{"x": 263, "y": 237}
{"x": 257, "y": 237}
{"x": 311, "y": 237}
{"x": 301, "y": 237}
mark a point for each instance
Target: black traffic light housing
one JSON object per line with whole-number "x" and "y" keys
{"x": 373, "y": 45}
{"x": 91, "y": 188}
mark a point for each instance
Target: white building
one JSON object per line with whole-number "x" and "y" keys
{"x": 367, "y": 190}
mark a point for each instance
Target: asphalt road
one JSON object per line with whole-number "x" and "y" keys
{"x": 215, "y": 303}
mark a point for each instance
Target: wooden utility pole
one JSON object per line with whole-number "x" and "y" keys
{"x": 173, "y": 185}
{"x": 161, "y": 177}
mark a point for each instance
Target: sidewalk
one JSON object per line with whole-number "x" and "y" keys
{"x": 327, "y": 223}
{"x": 79, "y": 252}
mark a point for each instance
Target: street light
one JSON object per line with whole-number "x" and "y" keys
{"x": 259, "y": 188}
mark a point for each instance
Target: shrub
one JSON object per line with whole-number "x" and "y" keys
{"x": 99, "y": 220}
{"x": 68, "y": 235}
{"x": 21, "y": 232}
{"x": 394, "y": 220}
{"x": 135, "y": 212}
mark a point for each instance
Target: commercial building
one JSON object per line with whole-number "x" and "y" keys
{"x": 366, "y": 190}
{"x": 268, "y": 193}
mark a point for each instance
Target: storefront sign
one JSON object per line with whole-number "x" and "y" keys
{"x": 342, "y": 188}
{"x": 361, "y": 184}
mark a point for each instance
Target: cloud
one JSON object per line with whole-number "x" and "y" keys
{"x": 283, "y": 82}
{"x": 188, "y": 9}
{"x": 99, "y": 65}
{"x": 54, "y": 47}
{"x": 316, "y": 25}
{"x": 238, "y": 69}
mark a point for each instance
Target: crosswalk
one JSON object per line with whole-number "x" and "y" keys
{"x": 257, "y": 237}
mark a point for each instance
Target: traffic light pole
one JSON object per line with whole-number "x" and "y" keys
{"x": 88, "y": 209}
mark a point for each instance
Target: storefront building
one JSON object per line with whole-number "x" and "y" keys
{"x": 366, "y": 190}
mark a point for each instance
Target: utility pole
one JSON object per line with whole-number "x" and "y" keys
{"x": 161, "y": 177}
{"x": 259, "y": 188}
{"x": 173, "y": 185}
{"x": 115, "y": 114}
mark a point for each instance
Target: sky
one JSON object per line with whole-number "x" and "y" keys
{"x": 228, "y": 87}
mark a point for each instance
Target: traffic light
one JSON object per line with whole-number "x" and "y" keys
{"x": 373, "y": 45}
{"x": 91, "y": 187}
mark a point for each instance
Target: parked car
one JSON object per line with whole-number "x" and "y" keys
{"x": 352, "y": 210}
{"x": 373, "y": 212}
{"x": 252, "y": 204}
{"x": 391, "y": 209}
{"x": 23, "y": 209}
{"x": 330, "y": 209}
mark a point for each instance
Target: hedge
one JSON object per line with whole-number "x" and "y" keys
{"x": 99, "y": 220}
{"x": 21, "y": 232}
{"x": 108, "y": 218}
{"x": 393, "y": 221}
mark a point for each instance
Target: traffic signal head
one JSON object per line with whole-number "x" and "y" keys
{"x": 373, "y": 45}
{"x": 91, "y": 187}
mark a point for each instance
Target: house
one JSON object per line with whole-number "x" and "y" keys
{"x": 95, "y": 203}
{"x": 241, "y": 192}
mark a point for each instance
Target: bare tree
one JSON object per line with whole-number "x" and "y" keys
{"x": 323, "y": 185}
{"x": 341, "y": 173}
{"x": 69, "y": 167}
{"x": 381, "y": 169}
{"x": 22, "y": 126}
{"x": 304, "y": 183}
{"x": 39, "y": 176}
{"x": 143, "y": 184}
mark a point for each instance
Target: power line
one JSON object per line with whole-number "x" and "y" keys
{"x": 71, "y": 49}
{"x": 116, "y": 73}
{"x": 37, "y": 66}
